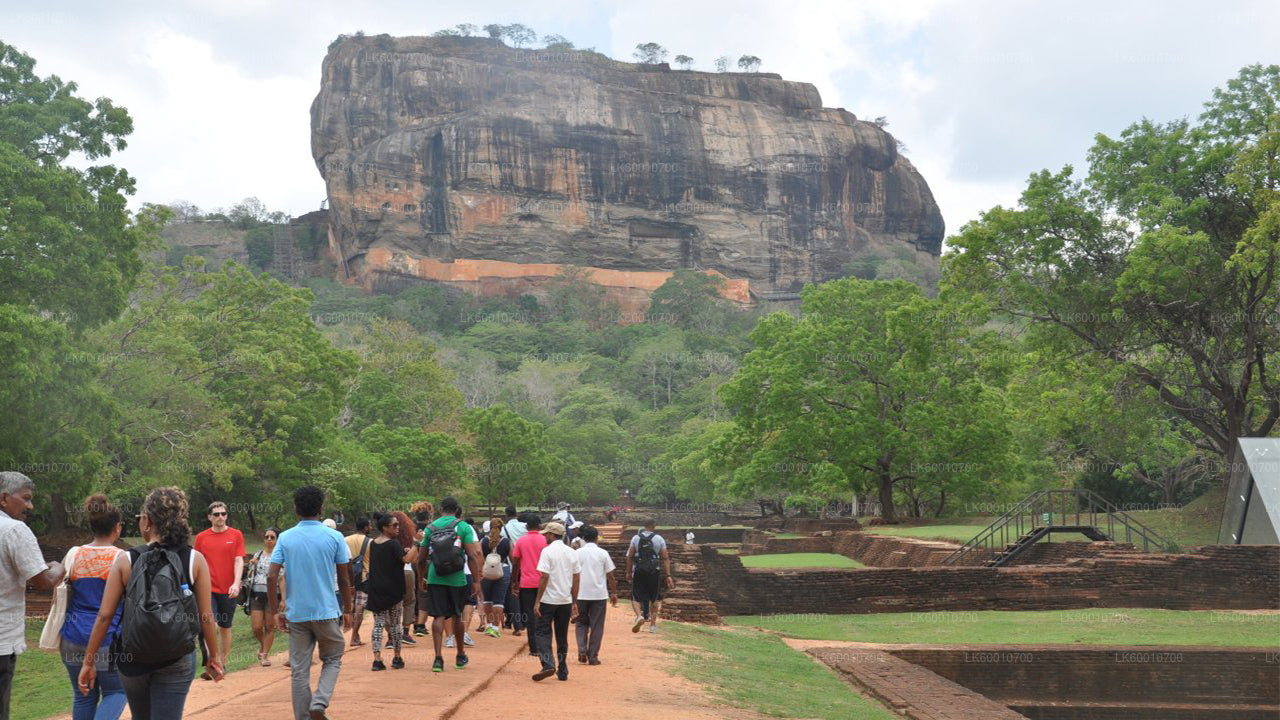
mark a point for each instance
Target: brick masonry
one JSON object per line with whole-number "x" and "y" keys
{"x": 911, "y": 690}
{"x": 1211, "y": 577}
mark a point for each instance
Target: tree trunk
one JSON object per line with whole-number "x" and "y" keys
{"x": 886, "y": 497}
{"x": 57, "y": 514}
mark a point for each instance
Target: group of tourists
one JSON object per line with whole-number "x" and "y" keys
{"x": 137, "y": 624}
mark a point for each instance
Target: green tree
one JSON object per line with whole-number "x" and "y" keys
{"x": 749, "y": 63}
{"x": 722, "y": 63}
{"x": 650, "y": 53}
{"x": 70, "y": 248}
{"x": 417, "y": 463}
{"x": 684, "y": 61}
{"x": 1162, "y": 261}
{"x": 515, "y": 465}
{"x": 400, "y": 381}
{"x": 873, "y": 386}
{"x": 689, "y": 299}
{"x": 556, "y": 42}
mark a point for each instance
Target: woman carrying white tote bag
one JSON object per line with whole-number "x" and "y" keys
{"x": 51, "y": 636}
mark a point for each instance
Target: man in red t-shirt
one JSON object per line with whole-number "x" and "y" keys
{"x": 524, "y": 572}
{"x": 223, "y": 549}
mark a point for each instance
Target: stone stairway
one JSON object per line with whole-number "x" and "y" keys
{"x": 688, "y": 601}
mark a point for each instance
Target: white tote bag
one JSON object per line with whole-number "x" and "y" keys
{"x": 51, "y": 636}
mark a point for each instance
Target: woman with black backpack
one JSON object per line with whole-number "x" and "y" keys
{"x": 163, "y": 587}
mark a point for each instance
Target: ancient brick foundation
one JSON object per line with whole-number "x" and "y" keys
{"x": 1212, "y": 577}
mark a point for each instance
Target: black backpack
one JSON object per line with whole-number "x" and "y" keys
{"x": 357, "y": 566}
{"x": 646, "y": 556}
{"x": 161, "y": 620}
{"x": 446, "y": 556}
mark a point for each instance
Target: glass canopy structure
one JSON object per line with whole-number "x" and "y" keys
{"x": 1251, "y": 515}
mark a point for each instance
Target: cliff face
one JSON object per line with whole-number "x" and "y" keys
{"x": 450, "y": 149}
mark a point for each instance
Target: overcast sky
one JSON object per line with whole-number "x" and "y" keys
{"x": 981, "y": 92}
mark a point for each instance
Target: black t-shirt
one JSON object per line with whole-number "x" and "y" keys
{"x": 386, "y": 575}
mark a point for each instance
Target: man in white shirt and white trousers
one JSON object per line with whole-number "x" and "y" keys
{"x": 555, "y": 604}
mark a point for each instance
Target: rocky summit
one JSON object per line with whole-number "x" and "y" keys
{"x": 463, "y": 161}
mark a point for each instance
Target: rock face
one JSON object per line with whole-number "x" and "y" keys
{"x": 440, "y": 150}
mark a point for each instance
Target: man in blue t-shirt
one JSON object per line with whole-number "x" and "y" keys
{"x": 312, "y": 555}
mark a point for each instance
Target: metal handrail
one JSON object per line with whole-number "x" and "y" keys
{"x": 1035, "y": 505}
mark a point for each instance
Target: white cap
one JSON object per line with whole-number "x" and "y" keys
{"x": 329, "y": 523}
{"x": 487, "y": 525}
{"x": 576, "y": 524}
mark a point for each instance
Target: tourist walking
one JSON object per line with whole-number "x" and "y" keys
{"x": 649, "y": 567}
{"x": 386, "y": 589}
{"x": 596, "y": 589}
{"x": 358, "y": 546}
{"x": 88, "y": 568}
{"x": 558, "y": 577}
{"x": 313, "y": 555}
{"x": 450, "y": 546}
{"x": 515, "y": 529}
{"x": 155, "y": 650}
{"x": 408, "y": 538}
{"x": 223, "y": 548}
{"x": 20, "y": 563}
{"x": 264, "y": 626}
{"x": 496, "y": 575}
{"x": 524, "y": 571}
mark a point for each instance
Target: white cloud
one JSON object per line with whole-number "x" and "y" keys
{"x": 982, "y": 93}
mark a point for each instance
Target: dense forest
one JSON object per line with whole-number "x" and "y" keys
{"x": 1116, "y": 329}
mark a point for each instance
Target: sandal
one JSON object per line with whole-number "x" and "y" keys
{"x": 263, "y": 660}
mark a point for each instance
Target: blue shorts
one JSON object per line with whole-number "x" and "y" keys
{"x": 495, "y": 591}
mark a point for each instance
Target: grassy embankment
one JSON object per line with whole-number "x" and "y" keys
{"x": 1092, "y": 626}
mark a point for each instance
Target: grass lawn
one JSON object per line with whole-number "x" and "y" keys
{"x": 759, "y": 672}
{"x": 788, "y": 536}
{"x": 800, "y": 560}
{"x": 1092, "y": 626}
{"x": 42, "y": 689}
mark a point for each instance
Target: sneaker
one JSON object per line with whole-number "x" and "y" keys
{"x": 543, "y": 674}
{"x": 420, "y": 630}
{"x": 407, "y": 639}
{"x": 466, "y": 640}
{"x": 517, "y": 632}
{"x": 462, "y": 661}
{"x": 438, "y": 665}
{"x": 653, "y": 629}
{"x": 316, "y": 714}
{"x": 562, "y": 676}
{"x": 448, "y": 642}
{"x": 397, "y": 663}
{"x": 378, "y": 665}
{"x": 582, "y": 658}
{"x": 493, "y": 631}
{"x": 635, "y": 626}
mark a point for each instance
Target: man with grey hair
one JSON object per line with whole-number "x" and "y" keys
{"x": 20, "y": 563}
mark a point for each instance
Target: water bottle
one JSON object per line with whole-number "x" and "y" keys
{"x": 186, "y": 590}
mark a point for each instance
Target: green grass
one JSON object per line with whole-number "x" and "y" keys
{"x": 800, "y": 560}
{"x": 760, "y": 673}
{"x": 41, "y": 688}
{"x": 1093, "y": 626}
{"x": 789, "y": 536}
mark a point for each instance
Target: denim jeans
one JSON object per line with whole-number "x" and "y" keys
{"x": 105, "y": 700}
{"x": 160, "y": 694}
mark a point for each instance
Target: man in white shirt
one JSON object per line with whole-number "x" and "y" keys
{"x": 554, "y": 605}
{"x": 595, "y": 588}
{"x": 20, "y": 563}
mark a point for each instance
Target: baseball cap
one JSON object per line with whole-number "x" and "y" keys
{"x": 555, "y": 528}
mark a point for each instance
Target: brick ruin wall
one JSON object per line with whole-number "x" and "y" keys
{"x": 1211, "y": 577}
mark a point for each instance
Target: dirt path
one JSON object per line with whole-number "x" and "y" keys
{"x": 629, "y": 684}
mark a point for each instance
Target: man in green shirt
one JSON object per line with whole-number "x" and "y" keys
{"x": 450, "y": 544}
